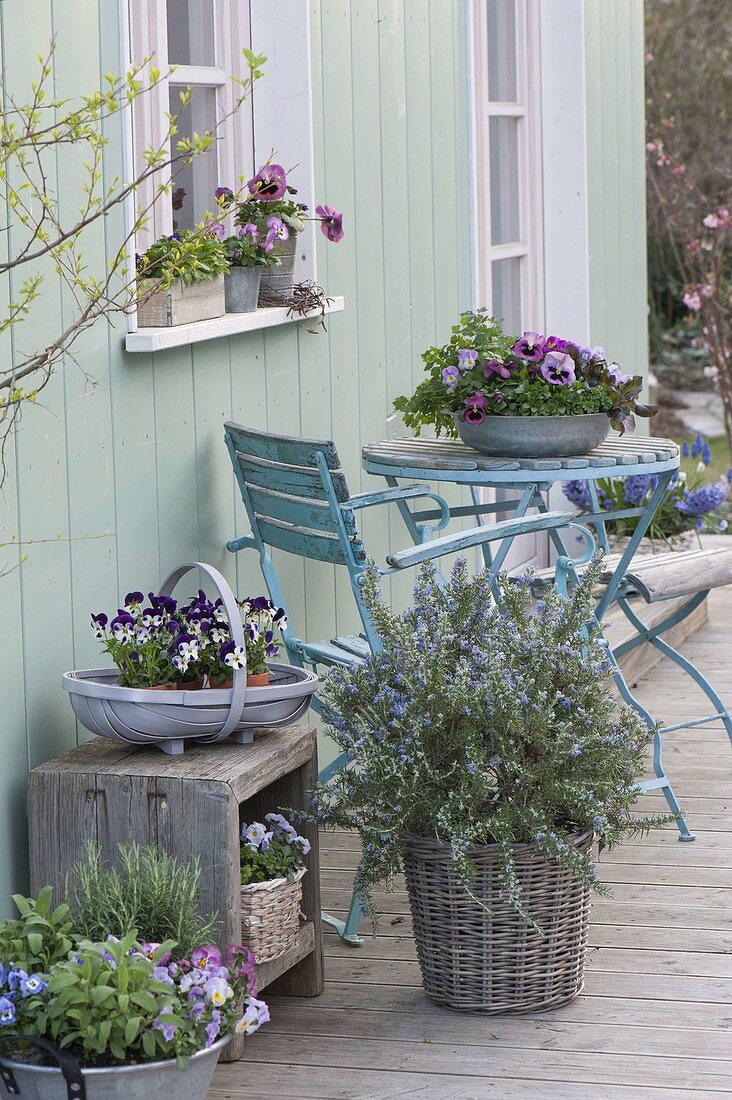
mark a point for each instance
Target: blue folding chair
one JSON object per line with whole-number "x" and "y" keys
{"x": 297, "y": 500}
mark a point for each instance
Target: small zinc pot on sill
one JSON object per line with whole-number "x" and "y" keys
{"x": 242, "y": 289}
{"x": 281, "y": 278}
{"x": 272, "y": 869}
{"x": 182, "y": 304}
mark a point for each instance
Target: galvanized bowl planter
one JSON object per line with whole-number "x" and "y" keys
{"x": 270, "y": 915}
{"x": 146, "y": 1081}
{"x": 241, "y": 288}
{"x": 148, "y": 716}
{"x": 535, "y": 436}
{"x": 282, "y": 277}
{"x": 475, "y": 961}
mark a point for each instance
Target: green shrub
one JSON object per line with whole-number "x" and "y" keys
{"x": 40, "y": 937}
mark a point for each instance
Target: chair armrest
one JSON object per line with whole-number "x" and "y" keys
{"x": 476, "y": 536}
{"x": 399, "y": 493}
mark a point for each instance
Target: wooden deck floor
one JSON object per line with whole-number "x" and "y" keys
{"x": 655, "y": 1018}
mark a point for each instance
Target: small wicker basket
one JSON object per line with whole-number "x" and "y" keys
{"x": 270, "y": 916}
{"x": 475, "y": 961}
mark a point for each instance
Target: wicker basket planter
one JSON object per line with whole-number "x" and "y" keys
{"x": 495, "y": 962}
{"x": 270, "y": 916}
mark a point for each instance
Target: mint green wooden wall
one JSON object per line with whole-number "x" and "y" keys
{"x": 614, "y": 40}
{"x": 108, "y": 491}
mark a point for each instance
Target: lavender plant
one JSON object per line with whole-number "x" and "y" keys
{"x": 477, "y": 724}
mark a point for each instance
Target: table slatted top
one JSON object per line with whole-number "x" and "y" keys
{"x": 445, "y": 456}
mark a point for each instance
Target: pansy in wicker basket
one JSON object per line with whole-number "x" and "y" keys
{"x": 487, "y": 751}
{"x": 272, "y": 867}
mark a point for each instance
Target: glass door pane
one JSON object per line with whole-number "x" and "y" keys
{"x": 191, "y": 32}
{"x": 506, "y": 300}
{"x": 194, "y": 183}
{"x": 505, "y": 193}
{"x": 502, "y": 68}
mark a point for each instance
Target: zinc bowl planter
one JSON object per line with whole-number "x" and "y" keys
{"x": 535, "y": 436}
{"x": 270, "y": 916}
{"x": 150, "y": 716}
{"x": 494, "y": 962}
{"x": 146, "y": 1081}
{"x": 182, "y": 303}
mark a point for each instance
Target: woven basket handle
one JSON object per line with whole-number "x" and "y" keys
{"x": 239, "y": 675}
{"x": 70, "y": 1068}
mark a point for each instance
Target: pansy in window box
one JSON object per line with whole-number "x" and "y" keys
{"x": 268, "y": 207}
{"x": 526, "y": 396}
{"x": 180, "y": 279}
{"x": 272, "y": 867}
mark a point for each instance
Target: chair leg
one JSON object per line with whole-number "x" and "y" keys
{"x": 661, "y": 782}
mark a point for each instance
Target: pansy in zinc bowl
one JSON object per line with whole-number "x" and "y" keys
{"x": 532, "y": 395}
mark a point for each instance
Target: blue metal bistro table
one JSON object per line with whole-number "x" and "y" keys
{"x": 447, "y": 460}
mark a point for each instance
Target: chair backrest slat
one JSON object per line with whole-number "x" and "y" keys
{"x": 307, "y": 543}
{"x": 292, "y": 480}
{"x": 282, "y": 448}
{"x": 300, "y": 511}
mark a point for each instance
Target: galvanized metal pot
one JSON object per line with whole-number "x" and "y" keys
{"x": 282, "y": 277}
{"x": 535, "y": 436}
{"x": 148, "y": 1081}
{"x": 241, "y": 288}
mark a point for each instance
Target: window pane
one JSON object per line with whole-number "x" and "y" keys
{"x": 190, "y": 32}
{"x": 502, "y": 80}
{"x": 504, "y": 154}
{"x": 197, "y": 179}
{"x": 507, "y": 292}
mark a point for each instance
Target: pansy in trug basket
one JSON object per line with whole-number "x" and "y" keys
{"x": 272, "y": 867}
{"x": 690, "y": 507}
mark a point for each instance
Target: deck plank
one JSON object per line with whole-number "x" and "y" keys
{"x": 654, "y": 1020}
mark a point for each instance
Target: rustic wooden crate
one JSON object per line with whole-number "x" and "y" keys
{"x": 190, "y": 805}
{"x": 182, "y": 304}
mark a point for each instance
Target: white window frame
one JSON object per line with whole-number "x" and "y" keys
{"x": 527, "y": 109}
{"x": 279, "y": 29}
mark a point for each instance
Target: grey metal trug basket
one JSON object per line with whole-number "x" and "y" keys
{"x": 141, "y": 716}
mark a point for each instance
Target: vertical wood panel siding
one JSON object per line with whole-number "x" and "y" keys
{"x": 616, "y": 180}
{"x": 110, "y": 489}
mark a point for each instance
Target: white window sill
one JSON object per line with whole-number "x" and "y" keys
{"x": 158, "y": 339}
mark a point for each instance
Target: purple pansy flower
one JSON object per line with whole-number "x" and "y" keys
{"x": 475, "y": 408}
{"x": 223, "y": 195}
{"x": 467, "y": 358}
{"x": 617, "y": 375}
{"x": 98, "y": 623}
{"x": 529, "y": 346}
{"x": 7, "y": 1011}
{"x": 123, "y": 627}
{"x": 133, "y": 600}
{"x": 451, "y": 377}
{"x": 206, "y": 956}
{"x": 218, "y": 229}
{"x": 249, "y": 230}
{"x": 331, "y": 222}
{"x": 496, "y": 367}
{"x": 558, "y": 369}
{"x": 555, "y": 343}
{"x": 177, "y": 198}
{"x": 269, "y": 184}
